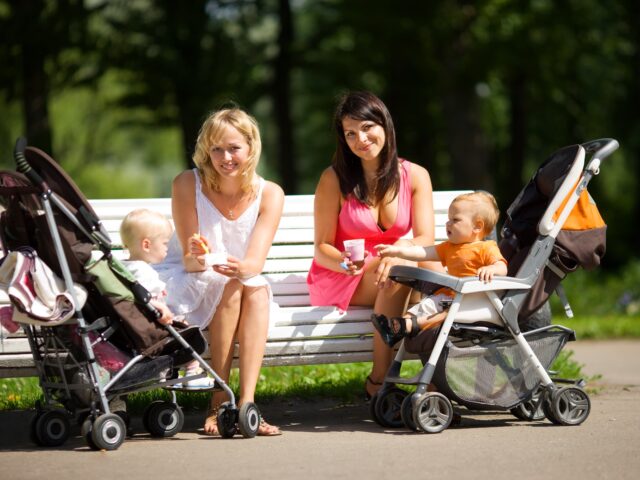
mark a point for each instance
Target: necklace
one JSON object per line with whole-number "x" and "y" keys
{"x": 234, "y": 202}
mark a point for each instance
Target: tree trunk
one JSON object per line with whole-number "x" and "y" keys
{"x": 513, "y": 165}
{"x": 35, "y": 93}
{"x": 282, "y": 100}
{"x": 469, "y": 153}
{"x": 190, "y": 120}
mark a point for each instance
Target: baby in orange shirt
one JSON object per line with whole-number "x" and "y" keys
{"x": 472, "y": 216}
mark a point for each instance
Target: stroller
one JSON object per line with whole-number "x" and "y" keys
{"x": 486, "y": 355}
{"x": 99, "y": 340}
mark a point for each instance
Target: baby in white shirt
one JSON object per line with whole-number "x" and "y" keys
{"x": 145, "y": 234}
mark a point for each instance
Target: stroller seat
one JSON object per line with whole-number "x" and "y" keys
{"x": 474, "y": 306}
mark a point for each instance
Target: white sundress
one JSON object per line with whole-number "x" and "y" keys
{"x": 197, "y": 294}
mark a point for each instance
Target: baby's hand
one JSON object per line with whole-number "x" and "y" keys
{"x": 166, "y": 317}
{"x": 486, "y": 273}
{"x": 386, "y": 250}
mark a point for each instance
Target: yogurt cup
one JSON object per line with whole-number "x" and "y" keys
{"x": 215, "y": 258}
{"x": 355, "y": 247}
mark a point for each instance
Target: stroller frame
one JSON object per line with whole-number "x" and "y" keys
{"x": 103, "y": 429}
{"x": 432, "y": 412}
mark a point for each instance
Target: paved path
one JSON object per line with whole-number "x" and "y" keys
{"x": 326, "y": 440}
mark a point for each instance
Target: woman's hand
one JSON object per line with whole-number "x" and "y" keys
{"x": 234, "y": 268}
{"x": 382, "y": 272}
{"x": 198, "y": 247}
{"x": 351, "y": 268}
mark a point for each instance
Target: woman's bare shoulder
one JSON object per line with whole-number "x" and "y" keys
{"x": 328, "y": 180}
{"x": 185, "y": 179}
{"x": 272, "y": 190}
{"x": 419, "y": 176}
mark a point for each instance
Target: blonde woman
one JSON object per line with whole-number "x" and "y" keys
{"x": 223, "y": 206}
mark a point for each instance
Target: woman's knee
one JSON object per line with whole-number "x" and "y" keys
{"x": 257, "y": 297}
{"x": 232, "y": 294}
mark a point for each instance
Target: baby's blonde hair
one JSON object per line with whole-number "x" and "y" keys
{"x": 142, "y": 223}
{"x": 485, "y": 208}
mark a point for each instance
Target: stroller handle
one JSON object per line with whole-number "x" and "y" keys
{"x": 23, "y": 166}
{"x": 600, "y": 149}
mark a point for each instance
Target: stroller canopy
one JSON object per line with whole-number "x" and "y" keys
{"x": 583, "y": 234}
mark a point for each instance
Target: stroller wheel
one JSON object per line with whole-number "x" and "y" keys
{"x": 108, "y": 432}
{"x": 372, "y": 408}
{"x": 249, "y": 419}
{"x": 85, "y": 432}
{"x": 164, "y": 419}
{"x": 527, "y": 410}
{"x": 433, "y": 412}
{"x": 51, "y": 428}
{"x": 33, "y": 432}
{"x": 227, "y": 418}
{"x": 406, "y": 412}
{"x": 570, "y": 405}
{"x": 388, "y": 406}
{"x": 147, "y": 412}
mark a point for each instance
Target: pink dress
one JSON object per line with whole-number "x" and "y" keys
{"x": 327, "y": 287}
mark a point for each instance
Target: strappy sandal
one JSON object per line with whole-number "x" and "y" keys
{"x": 267, "y": 430}
{"x": 212, "y": 420}
{"x": 399, "y": 326}
{"x": 369, "y": 380}
{"x": 394, "y": 329}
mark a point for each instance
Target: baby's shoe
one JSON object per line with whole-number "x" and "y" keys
{"x": 197, "y": 383}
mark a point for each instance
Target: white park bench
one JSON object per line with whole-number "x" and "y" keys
{"x": 300, "y": 334}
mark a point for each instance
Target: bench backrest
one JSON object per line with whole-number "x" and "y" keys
{"x": 290, "y": 256}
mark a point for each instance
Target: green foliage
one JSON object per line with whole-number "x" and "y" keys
{"x": 480, "y": 92}
{"x": 19, "y": 393}
{"x": 601, "y": 293}
{"x": 117, "y": 157}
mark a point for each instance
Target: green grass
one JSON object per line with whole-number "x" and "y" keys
{"x": 602, "y": 327}
{"x": 343, "y": 382}
{"x": 19, "y": 393}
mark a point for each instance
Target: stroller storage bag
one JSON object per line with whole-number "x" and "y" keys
{"x": 495, "y": 372}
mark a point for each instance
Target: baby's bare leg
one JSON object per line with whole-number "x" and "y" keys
{"x": 427, "y": 322}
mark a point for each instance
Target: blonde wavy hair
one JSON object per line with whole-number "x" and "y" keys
{"x": 485, "y": 208}
{"x": 210, "y": 135}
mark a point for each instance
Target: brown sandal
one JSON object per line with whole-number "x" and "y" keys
{"x": 369, "y": 380}
{"x": 267, "y": 430}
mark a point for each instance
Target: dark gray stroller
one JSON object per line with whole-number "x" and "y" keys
{"x": 47, "y": 219}
{"x": 485, "y": 356}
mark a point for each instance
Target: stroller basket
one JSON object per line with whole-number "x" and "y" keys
{"x": 495, "y": 372}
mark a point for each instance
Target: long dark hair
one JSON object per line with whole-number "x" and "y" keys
{"x": 348, "y": 167}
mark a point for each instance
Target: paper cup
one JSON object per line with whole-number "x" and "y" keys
{"x": 355, "y": 248}
{"x": 215, "y": 258}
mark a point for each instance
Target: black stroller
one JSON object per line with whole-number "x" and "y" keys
{"x": 108, "y": 316}
{"x": 486, "y": 356}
